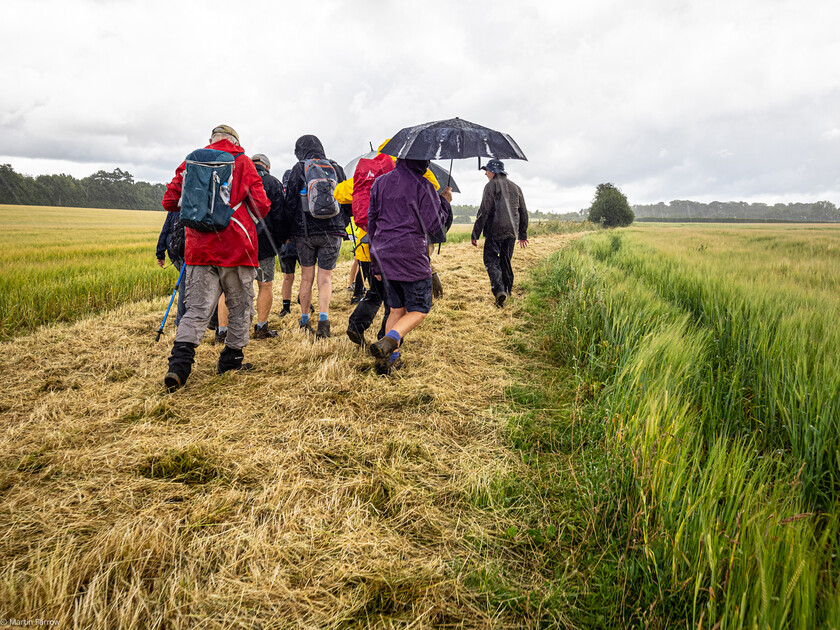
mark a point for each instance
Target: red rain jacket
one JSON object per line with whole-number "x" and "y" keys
{"x": 367, "y": 170}
{"x": 236, "y": 245}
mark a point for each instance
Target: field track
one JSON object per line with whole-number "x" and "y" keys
{"x": 308, "y": 493}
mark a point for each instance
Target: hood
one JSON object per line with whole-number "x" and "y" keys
{"x": 309, "y": 147}
{"x": 418, "y": 166}
{"x": 226, "y": 145}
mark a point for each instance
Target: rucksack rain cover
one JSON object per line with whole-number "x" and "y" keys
{"x": 205, "y": 195}
{"x": 320, "y": 180}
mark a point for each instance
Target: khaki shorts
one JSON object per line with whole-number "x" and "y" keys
{"x": 265, "y": 272}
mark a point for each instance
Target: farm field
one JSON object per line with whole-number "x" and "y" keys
{"x": 647, "y": 437}
{"x": 709, "y": 357}
{"x": 62, "y": 264}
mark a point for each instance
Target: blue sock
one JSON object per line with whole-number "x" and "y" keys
{"x": 222, "y": 329}
{"x": 393, "y": 334}
{"x": 304, "y": 317}
{"x": 261, "y": 324}
{"x": 395, "y": 355}
{"x": 323, "y": 317}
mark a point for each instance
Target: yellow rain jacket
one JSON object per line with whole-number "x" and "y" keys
{"x": 360, "y": 250}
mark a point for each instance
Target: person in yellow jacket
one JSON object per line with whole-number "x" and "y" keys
{"x": 357, "y": 276}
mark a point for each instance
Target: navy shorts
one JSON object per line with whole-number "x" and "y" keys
{"x": 288, "y": 264}
{"x": 412, "y": 296}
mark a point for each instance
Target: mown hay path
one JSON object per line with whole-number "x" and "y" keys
{"x": 308, "y": 493}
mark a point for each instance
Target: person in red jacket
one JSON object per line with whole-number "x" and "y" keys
{"x": 219, "y": 262}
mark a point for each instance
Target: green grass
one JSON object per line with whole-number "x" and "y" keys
{"x": 703, "y": 442}
{"x": 62, "y": 264}
{"x": 460, "y": 232}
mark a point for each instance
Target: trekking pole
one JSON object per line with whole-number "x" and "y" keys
{"x": 356, "y": 247}
{"x": 172, "y": 299}
{"x": 258, "y": 221}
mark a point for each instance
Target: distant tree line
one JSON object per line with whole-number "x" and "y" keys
{"x": 822, "y": 211}
{"x": 466, "y": 214}
{"x": 116, "y": 189}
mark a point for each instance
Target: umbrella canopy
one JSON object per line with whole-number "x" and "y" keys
{"x": 350, "y": 167}
{"x": 452, "y": 139}
{"x": 440, "y": 173}
{"x": 443, "y": 176}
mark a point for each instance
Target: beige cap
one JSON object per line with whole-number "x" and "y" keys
{"x": 225, "y": 129}
{"x": 262, "y": 158}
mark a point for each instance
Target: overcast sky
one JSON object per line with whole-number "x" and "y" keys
{"x": 668, "y": 99}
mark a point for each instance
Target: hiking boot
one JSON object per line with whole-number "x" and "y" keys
{"x": 385, "y": 367}
{"x": 500, "y": 300}
{"x": 437, "y": 286}
{"x": 245, "y": 367}
{"x": 383, "y": 348}
{"x": 283, "y": 312}
{"x": 356, "y": 336}
{"x": 323, "y": 329}
{"x": 172, "y": 382}
{"x": 220, "y": 337}
{"x": 231, "y": 359}
{"x": 263, "y": 332}
{"x": 307, "y": 327}
{"x": 356, "y": 299}
{"x": 180, "y": 365}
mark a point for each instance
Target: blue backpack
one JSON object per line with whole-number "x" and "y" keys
{"x": 205, "y": 195}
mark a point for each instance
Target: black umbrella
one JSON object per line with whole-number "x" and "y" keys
{"x": 444, "y": 177}
{"x": 440, "y": 173}
{"x": 453, "y": 139}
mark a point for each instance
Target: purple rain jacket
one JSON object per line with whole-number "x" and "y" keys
{"x": 404, "y": 209}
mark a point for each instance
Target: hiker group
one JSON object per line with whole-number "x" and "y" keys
{"x": 229, "y": 220}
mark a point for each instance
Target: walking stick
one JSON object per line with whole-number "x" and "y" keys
{"x": 355, "y": 247}
{"x": 172, "y": 299}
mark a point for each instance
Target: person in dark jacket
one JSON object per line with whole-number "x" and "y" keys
{"x": 171, "y": 242}
{"x": 502, "y": 219}
{"x": 288, "y": 262}
{"x": 271, "y": 232}
{"x": 316, "y": 240}
{"x": 404, "y": 210}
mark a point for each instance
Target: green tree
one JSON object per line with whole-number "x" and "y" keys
{"x": 610, "y": 207}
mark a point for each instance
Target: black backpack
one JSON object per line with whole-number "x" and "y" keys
{"x": 177, "y": 238}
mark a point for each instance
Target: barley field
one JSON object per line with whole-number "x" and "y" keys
{"x": 63, "y": 264}
{"x": 710, "y": 359}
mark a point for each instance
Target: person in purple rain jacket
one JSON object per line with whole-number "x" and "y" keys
{"x": 404, "y": 215}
